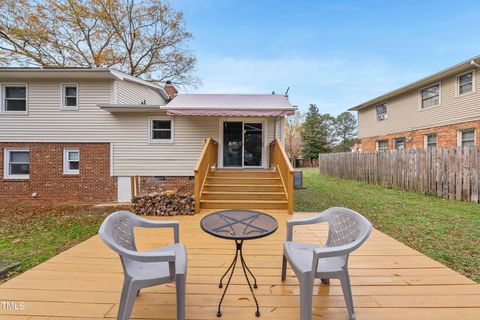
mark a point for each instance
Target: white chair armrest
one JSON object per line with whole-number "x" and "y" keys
{"x": 150, "y": 256}
{"x": 318, "y": 218}
{"x": 147, "y": 223}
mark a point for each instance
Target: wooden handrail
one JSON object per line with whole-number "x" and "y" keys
{"x": 279, "y": 160}
{"x": 208, "y": 157}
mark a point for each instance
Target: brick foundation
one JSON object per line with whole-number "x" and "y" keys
{"x": 158, "y": 184}
{"x": 446, "y": 136}
{"x": 92, "y": 185}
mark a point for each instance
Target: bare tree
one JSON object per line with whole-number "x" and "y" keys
{"x": 144, "y": 38}
{"x": 293, "y": 138}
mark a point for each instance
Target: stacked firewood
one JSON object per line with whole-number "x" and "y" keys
{"x": 167, "y": 203}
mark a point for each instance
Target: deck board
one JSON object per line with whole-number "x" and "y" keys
{"x": 389, "y": 280}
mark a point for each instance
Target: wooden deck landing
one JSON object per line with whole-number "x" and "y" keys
{"x": 390, "y": 281}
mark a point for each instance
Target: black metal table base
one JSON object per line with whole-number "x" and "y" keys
{"x": 246, "y": 272}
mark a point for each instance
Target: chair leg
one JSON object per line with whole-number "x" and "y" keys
{"x": 284, "y": 268}
{"x": 180, "y": 280}
{"x": 347, "y": 294}
{"x": 129, "y": 293}
{"x": 306, "y": 291}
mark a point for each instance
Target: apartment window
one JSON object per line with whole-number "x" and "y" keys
{"x": 431, "y": 96}
{"x": 465, "y": 83}
{"x": 71, "y": 161}
{"x": 382, "y": 145}
{"x": 381, "y": 112}
{"x": 16, "y": 164}
{"x": 161, "y": 129}
{"x": 69, "y": 96}
{"x": 430, "y": 141}
{"x": 400, "y": 143}
{"x": 15, "y": 98}
{"x": 467, "y": 138}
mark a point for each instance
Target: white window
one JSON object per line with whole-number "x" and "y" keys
{"x": 16, "y": 164}
{"x": 430, "y": 96}
{"x": 382, "y": 112}
{"x": 14, "y": 98}
{"x": 430, "y": 141}
{"x": 466, "y": 138}
{"x": 382, "y": 145}
{"x": 399, "y": 143}
{"x": 466, "y": 83}
{"x": 161, "y": 129}
{"x": 70, "y": 96}
{"x": 71, "y": 161}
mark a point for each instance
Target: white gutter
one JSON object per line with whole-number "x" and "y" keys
{"x": 473, "y": 63}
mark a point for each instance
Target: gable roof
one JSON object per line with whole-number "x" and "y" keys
{"x": 73, "y": 73}
{"x": 456, "y": 69}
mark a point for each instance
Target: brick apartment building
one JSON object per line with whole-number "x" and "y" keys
{"x": 441, "y": 110}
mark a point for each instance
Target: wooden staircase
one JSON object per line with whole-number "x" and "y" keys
{"x": 243, "y": 189}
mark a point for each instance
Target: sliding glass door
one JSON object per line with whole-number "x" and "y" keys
{"x": 242, "y": 144}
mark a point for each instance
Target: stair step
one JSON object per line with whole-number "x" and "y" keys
{"x": 243, "y": 195}
{"x": 243, "y": 187}
{"x": 243, "y": 204}
{"x": 243, "y": 173}
{"x": 244, "y": 180}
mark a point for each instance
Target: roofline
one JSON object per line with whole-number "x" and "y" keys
{"x": 66, "y": 69}
{"x": 126, "y": 77}
{"x": 417, "y": 84}
{"x": 116, "y": 74}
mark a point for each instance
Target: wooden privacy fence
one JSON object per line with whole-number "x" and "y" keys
{"x": 446, "y": 172}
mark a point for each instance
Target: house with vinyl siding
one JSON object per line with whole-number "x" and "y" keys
{"x": 441, "y": 110}
{"x": 99, "y": 135}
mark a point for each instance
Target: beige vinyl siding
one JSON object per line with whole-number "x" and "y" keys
{"x": 47, "y": 122}
{"x": 405, "y": 114}
{"x": 134, "y": 155}
{"x": 128, "y": 92}
{"x": 128, "y": 132}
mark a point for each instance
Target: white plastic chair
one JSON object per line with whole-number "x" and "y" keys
{"x": 347, "y": 231}
{"x": 147, "y": 268}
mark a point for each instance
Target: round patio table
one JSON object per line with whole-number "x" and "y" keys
{"x": 239, "y": 225}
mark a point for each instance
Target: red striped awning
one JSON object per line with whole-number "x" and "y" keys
{"x": 228, "y": 112}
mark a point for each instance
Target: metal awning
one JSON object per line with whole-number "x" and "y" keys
{"x": 228, "y": 112}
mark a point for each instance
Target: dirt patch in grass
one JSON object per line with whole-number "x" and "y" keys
{"x": 33, "y": 234}
{"x": 447, "y": 231}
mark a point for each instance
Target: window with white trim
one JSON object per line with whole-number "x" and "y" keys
{"x": 399, "y": 143}
{"x": 382, "y": 145}
{"x": 71, "y": 161}
{"x": 466, "y": 138}
{"x": 430, "y": 96}
{"x": 465, "y": 83}
{"x": 430, "y": 141}
{"x": 16, "y": 164}
{"x": 70, "y": 96}
{"x": 15, "y": 98}
{"x": 382, "y": 112}
{"x": 161, "y": 129}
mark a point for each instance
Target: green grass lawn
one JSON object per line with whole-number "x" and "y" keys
{"x": 33, "y": 234}
{"x": 445, "y": 230}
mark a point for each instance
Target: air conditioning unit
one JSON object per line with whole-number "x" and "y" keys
{"x": 381, "y": 117}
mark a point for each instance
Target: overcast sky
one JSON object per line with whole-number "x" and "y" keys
{"x": 336, "y": 54}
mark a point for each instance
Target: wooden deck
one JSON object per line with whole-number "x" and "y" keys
{"x": 390, "y": 281}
